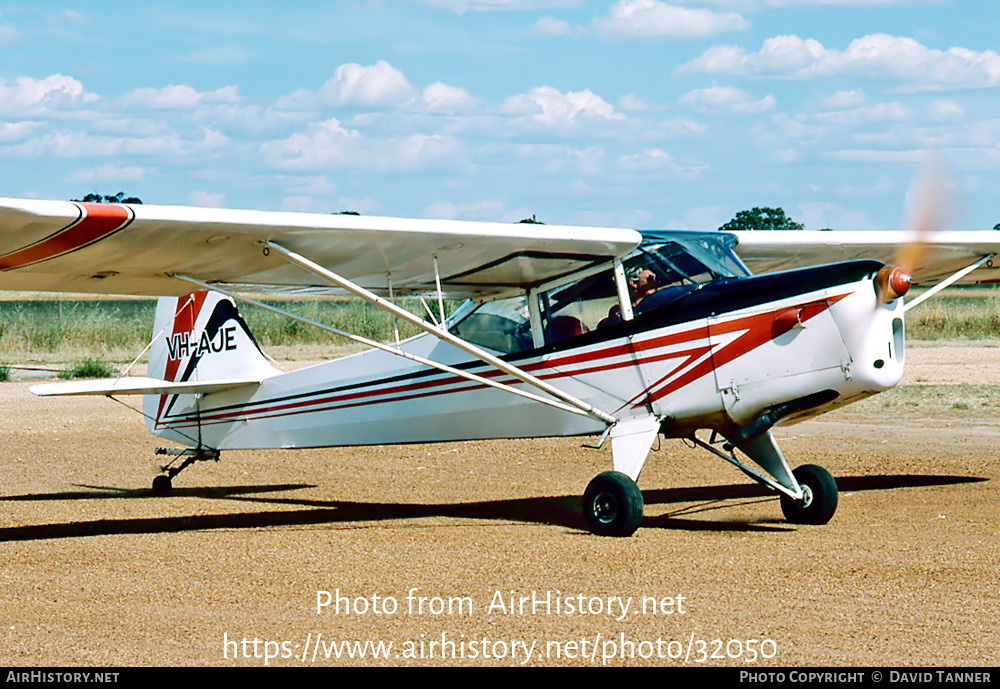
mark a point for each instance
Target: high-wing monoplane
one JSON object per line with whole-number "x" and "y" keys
{"x": 567, "y": 331}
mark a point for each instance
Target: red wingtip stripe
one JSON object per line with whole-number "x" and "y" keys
{"x": 96, "y": 221}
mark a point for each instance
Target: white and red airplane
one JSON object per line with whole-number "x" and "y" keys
{"x": 567, "y": 331}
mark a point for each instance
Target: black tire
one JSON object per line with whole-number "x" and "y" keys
{"x": 612, "y": 505}
{"x": 162, "y": 485}
{"x": 821, "y": 497}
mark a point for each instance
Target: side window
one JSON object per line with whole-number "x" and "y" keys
{"x": 502, "y": 326}
{"x": 580, "y": 307}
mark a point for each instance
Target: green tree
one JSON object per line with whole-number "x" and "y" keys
{"x": 530, "y": 221}
{"x": 762, "y": 219}
{"x": 117, "y": 198}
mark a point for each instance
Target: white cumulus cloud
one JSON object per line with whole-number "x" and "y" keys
{"x": 17, "y": 131}
{"x": 630, "y": 19}
{"x": 56, "y": 92}
{"x": 324, "y": 144}
{"x": 727, "y": 100}
{"x": 354, "y": 85}
{"x": 550, "y": 107}
{"x": 179, "y": 97}
{"x": 330, "y": 145}
{"x": 378, "y": 84}
{"x": 874, "y": 57}
{"x": 658, "y": 162}
{"x": 443, "y": 98}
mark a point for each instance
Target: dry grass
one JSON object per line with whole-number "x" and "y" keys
{"x": 971, "y": 313}
{"x": 60, "y": 329}
{"x": 936, "y": 398}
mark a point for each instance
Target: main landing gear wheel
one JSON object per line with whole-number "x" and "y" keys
{"x": 820, "y": 501}
{"x": 612, "y": 505}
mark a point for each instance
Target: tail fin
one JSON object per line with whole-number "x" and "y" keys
{"x": 198, "y": 337}
{"x": 202, "y": 336}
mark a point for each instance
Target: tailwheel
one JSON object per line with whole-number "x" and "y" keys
{"x": 162, "y": 485}
{"x": 612, "y": 505}
{"x": 820, "y": 499}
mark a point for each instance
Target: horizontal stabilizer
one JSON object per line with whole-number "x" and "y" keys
{"x": 137, "y": 385}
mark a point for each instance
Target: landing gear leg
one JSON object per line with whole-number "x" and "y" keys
{"x": 612, "y": 505}
{"x": 808, "y": 494}
{"x": 162, "y": 484}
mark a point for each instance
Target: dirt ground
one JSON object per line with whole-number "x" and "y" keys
{"x": 474, "y": 553}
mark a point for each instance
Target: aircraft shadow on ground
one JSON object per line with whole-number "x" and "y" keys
{"x": 557, "y": 510}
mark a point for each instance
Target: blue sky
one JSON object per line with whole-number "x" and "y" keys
{"x": 638, "y": 113}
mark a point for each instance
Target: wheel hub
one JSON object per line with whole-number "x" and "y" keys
{"x": 807, "y": 495}
{"x": 605, "y": 507}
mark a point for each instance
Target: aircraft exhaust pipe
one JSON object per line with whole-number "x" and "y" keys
{"x": 765, "y": 421}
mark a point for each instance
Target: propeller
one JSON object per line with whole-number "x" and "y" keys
{"x": 930, "y": 201}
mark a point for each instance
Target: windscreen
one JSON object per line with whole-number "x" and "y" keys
{"x": 669, "y": 266}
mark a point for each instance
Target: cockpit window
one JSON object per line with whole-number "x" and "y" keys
{"x": 502, "y": 326}
{"x": 579, "y": 307}
{"x": 663, "y": 271}
{"x": 716, "y": 251}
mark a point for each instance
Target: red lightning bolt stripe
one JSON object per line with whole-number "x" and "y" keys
{"x": 756, "y": 330}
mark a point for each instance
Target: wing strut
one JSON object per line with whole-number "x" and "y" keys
{"x": 440, "y": 333}
{"x": 947, "y": 281}
{"x": 378, "y": 345}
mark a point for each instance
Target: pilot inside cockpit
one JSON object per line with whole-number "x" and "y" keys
{"x": 662, "y": 273}
{"x": 641, "y": 283}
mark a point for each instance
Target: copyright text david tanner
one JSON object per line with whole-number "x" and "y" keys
{"x": 861, "y": 677}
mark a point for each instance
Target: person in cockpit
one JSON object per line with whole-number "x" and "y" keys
{"x": 641, "y": 283}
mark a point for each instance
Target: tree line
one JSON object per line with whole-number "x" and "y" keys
{"x": 120, "y": 197}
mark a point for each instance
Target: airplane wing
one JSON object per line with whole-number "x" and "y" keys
{"x": 65, "y": 246}
{"x": 938, "y": 254}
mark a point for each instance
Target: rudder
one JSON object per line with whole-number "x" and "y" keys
{"x": 201, "y": 336}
